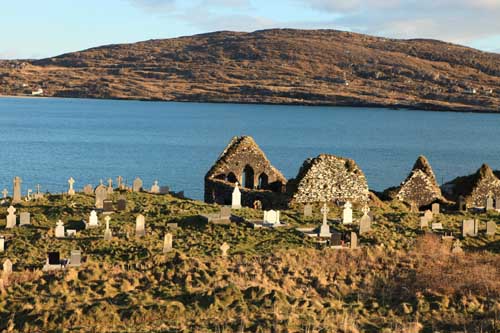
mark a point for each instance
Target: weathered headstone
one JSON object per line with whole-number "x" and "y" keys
{"x": 25, "y": 218}
{"x": 435, "y": 208}
{"x": 428, "y": 215}
{"x": 491, "y": 228}
{"x": 17, "y": 190}
{"x": 7, "y": 268}
{"x": 88, "y": 190}
{"x": 93, "y": 221}
{"x": 365, "y": 223}
{"x": 469, "y": 228}
{"x": 2, "y": 244}
{"x": 110, "y": 186}
{"x": 155, "y": 188}
{"x": 101, "y": 194}
{"x": 497, "y": 203}
{"x": 308, "y": 211}
{"x": 59, "y": 232}
{"x": 75, "y": 259}
{"x": 121, "y": 204}
{"x": 347, "y": 213}
{"x": 272, "y": 216}
{"x": 424, "y": 223}
{"x": 107, "y": 206}
{"x": 224, "y": 248}
{"x": 354, "y": 240}
{"x": 172, "y": 226}
{"x": 167, "y": 243}
{"x": 119, "y": 182}
{"x": 107, "y": 232}
{"x": 457, "y": 247}
{"x": 11, "y": 218}
{"x": 236, "y": 197}
{"x": 489, "y": 203}
{"x": 140, "y": 226}
{"x": 71, "y": 190}
{"x": 336, "y": 239}
{"x": 137, "y": 185}
{"x": 225, "y": 212}
{"x": 324, "y": 230}
{"x": 70, "y": 232}
{"x": 437, "y": 226}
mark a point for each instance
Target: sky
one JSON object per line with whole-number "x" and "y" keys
{"x": 38, "y": 29}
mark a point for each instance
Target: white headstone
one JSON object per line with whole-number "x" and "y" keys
{"x": 2, "y": 244}
{"x": 140, "y": 226}
{"x": 11, "y": 218}
{"x": 236, "y": 197}
{"x": 347, "y": 213}
{"x": 59, "y": 233}
{"x": 93, "y": 221}
{"x": 107, "y": 233}
{"x": 167, "y": 243}
{"x": 224, "y": 247}
{"x": 101, "y": 194}
{"x": 71, "y": 190}
{"x": 272, "y": 216}
{"x": 137, "y": 185}
{"x": 155, "y": 188}
{"x": 325, "y": 228}
{"x": 25, "y": 218}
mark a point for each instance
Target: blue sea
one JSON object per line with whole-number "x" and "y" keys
{"x": 45, "y": 141}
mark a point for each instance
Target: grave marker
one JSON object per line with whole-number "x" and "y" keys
{"x": 101, "y": 194}
{"x": 17, "y": 190}
{"x": 435, "y": 208}
{"x": 167, "y": 243}
{"x": 347, "y": 213}
{"x": 2, "y": 244}
{"x": 469, "y": 228}
{"x": 491, "y": 228}
{"x": 489, "y": 203}
{"x": 107, "y": 206}
{"x": 25, "y": 218}
{"x": 107, "y": 233}
{"x": 236, "y": 197}
{"x": 110, "y": 186}
{"x": 121, "y": 204}
{"x": 137, "y": 185}
{"x": 140, "y": 226}
{"x": 224, "y": 248}
{"x": 93, "y": 221}
{"x": 308, "y": 211}
{"x": 71, "y": 190}
{"x": 11, "y": 218}
{"x": 88, "y": 190}
{"x": 75, "y": 259}
{"x": 155, "y": 188}
{"x": 325, "y": 228}
{"x": 59, "y": 232}
{"x": 272, "y": 216}
{"x": 354, "y": 240}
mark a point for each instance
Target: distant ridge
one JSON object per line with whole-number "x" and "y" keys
{"x": 277, "y": 66}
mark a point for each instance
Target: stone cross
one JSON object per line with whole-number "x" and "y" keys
{"x": 17, "y": 190}
{"x": 167, "y": 243}
{"x": 11, "y": 218}
{"x": 324, "y": 230}
{"x": 110, "y": 185}
{"x": 347, "y": 213}
{"x": 155, "y": 188}
{"x": 59, "y": 233}
{"x": 324, "y": 211}
{"x": 365, "y": 209}
{"x": 5, "y": 192}
{"x": 224, "y": 247}
{"x": 71, "y": 190}
{"x": 236, "y": 197}
{"x": 119, "y": 182}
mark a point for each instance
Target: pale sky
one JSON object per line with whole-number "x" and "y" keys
{"x": 37, "y": 29}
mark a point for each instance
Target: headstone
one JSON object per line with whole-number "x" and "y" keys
{"x": 7, "y": 268}
{"x": 336, "y": 239}
{"x": 491, "y": 228}
{"x": 140, "y": 227}
{"x": 93, "y": 221}
{"x": 25, "y": 218}
{"x": 2, "y": 244}
{"x": 119, "y": 182}
{"x": 38, "y": 193}
{"x": 107, "y": 206}
{"x": 54, "y": 258}
{"x": 5, "y": 192}
{"x": 164, "y": 190}
{"x": 11, "y": 218}
{"x": 110, "y": 186}
{"x": 497, "y": 203}
{"x": 272, "y": 216}
{"x": 435, "y": 208}
{"x": 107, "y": 233}
{"x": 17, "y": 190}
{"x": 71, "y": 190}
{"x": 155, "y": 188}
{"x": 457, "y": 247}
{"x": 469, "y": 228}
{"x": 428, "y": 215}
{"x": 137, "y": 185}
{"x": 121, "y": 204}
{"x": 489, "y": 203}
{"x": 88, "y": 190}
{"x": 354, "y": 240}
{"x": 236, "y": 197}
{"x": 70, "y": 232}
{"x": 167, "y": 243}
{"x": 59, "y": 233}
{"x": 365, "y": 223}
{"x": 225, "y": 212}
{"x": 308, "y": 211}
{"x": 424, "y": 222}
{"x": 347, "y": 213}
{"x": 437, "y": 226}
{"x": 462, "y": 204}
{"x": 224, "y": 247}
{"x": 101, "y": 194}
{"x": 75, "y": 259}
{"x": 324, "y": 230}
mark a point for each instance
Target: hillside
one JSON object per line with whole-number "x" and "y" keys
{"x": 313, "y": 67}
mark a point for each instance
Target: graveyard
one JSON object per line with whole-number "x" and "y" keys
{"x": 127, "y": 259}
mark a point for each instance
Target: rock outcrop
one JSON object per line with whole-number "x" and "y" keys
{"x": 474, "y": 188}
{"x": 420, "y": 187}
{"x": 243, "y": 162}
{"x": 329, "y": 178}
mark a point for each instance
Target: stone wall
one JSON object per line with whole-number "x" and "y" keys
{"x": 328, "y": 178}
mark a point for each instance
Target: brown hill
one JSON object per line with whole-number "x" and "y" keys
{"x": 317, "y": 67}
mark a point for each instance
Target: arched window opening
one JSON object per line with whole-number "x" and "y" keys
{"x": 231, "y": 177}
{"x": 247, "y": 177}
{"x": 263, "y": 181}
